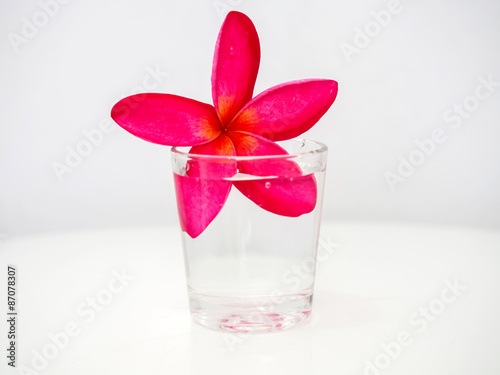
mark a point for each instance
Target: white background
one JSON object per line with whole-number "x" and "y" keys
{"x": 64, "y": 79}
{"x": 375, "y": 282}
{"x": 386, "y": 260}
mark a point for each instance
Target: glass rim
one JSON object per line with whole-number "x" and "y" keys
{"x": 319, "y": 149}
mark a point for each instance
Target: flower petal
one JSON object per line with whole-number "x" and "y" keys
{"x": 213, "y": 168}
{"x": 202, "y": 192}
{"x": 167, "y": 119}
{"x": 235, "y": 65}
{"x": 287, "y": 110}
{"x": 287, "y": 191}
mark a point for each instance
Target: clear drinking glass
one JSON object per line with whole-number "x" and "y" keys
{"x": 252, "y": 270}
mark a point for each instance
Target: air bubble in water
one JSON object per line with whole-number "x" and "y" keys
{"x": 268, "y": 185}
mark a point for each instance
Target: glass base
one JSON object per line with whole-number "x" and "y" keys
{"x": 250, "y": 314}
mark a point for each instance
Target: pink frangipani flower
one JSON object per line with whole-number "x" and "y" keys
{"x": 236, "y": 125}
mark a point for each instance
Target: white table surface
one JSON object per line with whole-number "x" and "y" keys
{"x": 371, "y": 291}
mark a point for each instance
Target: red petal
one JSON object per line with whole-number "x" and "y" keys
{"x": 213, "y": 168}
{"x": 287, "y": 110}
{"x": 202, "y": 192}
{"x": 235, "y": 65}
{"x": 287, "y": 192}
{"x": 167, "y": 119}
